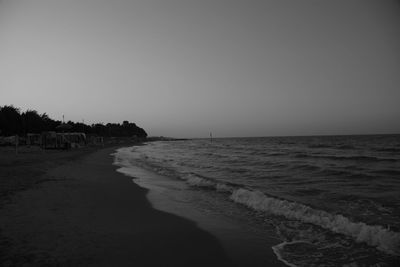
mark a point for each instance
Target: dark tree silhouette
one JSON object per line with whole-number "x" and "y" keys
{"x": 10, "y": 120}
{"x": 32, "y": 122}
{"x": 13, "y": 122}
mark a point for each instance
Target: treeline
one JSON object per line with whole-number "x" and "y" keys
{"x": 13, "y": 121}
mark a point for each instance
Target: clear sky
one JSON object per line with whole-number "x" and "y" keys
{"x": 184, "y": 68}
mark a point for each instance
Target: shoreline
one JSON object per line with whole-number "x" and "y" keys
{"x": 246, "y": 242}
{"x": 72, "y": 209}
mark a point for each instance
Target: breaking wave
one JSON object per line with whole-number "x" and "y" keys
{"x": 278, "y": 250}
{"x": 374, "y": 235}
{"x": 377, "y": 236}
{"x": 382, "y": 238}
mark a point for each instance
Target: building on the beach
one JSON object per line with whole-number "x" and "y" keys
{"x": 75, "y": 140}
{"x": 49, "y": 139}
{"x": 54, "y": 140}
{"x": 33, "y": 139}
{"x": 7, "y": 140}
{"x": 96, "y": 140}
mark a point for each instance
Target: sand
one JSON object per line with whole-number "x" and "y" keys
{"x": 246, "y": 239}
{"x": 71, "y": 208}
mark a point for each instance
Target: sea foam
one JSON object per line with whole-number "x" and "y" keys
{"x": 278, "y": 252}
{"x": 377, "y": 236}
{"x": 198, "y": 181}
{"x": 374, "y": 235}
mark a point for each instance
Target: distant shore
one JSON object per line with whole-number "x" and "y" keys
{"x": 71, "y": 208}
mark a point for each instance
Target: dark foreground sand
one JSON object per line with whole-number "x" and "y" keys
{"x": 71, "y": 208}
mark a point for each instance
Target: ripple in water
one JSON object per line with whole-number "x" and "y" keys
{"x": 334, "y": 200}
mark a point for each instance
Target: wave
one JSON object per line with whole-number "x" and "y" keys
{"x": 278, "y": 250}
{"x": 340, "y": 158}
{"x": 374, "y": 235}
{"x": 302, "y": 155}
{"x": 387, "y": 172}
{"x": 338, "y": 146}
{"x": 319, "y": 146}
{"x": 275, "y": 154}
{"x": 388, "y": 149}
{"x": 360, "y": 158}
{"x": 195, "y": 180}
{"x": 345, "y": 147}
{"x": 198, "y": 181}
{"x": 377, "y": 236}
{"x": 305, "y": 167}
{"x": 309, "y": 192}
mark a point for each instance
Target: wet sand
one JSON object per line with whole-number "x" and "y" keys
{"x": 247, "y": 242}
{"x": 71, "y": 208}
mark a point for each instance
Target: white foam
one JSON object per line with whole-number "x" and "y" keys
{"x": 126, "y": 171}
{"x": 195, "y": 180}
{"x": 278, "y": 252}
{"x": 198, "y": 181}
{"x": 377, "y": 236}
{"x": 122, "y": 156}
{"x": 224, "y": 188}
{"x": 384, "y": 239}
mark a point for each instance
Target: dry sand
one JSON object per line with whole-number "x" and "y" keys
{"x": 71, "y": 208}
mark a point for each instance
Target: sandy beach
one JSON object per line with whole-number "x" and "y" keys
{"x": 71, "y": 208}
{"x": 199, "y": 133}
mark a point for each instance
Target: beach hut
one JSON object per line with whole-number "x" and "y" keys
{"x": 53, "y": 140}
{"x": 33, "y": 139}
{"x": 96, "y": 140}
{"x": 49, "y": 140}
{"x": 74, "y": 140}
{"x": 8, "y": 140}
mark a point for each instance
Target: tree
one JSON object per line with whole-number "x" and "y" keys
{"x": 32, "y": 122}
{"x": 13, "y": 122}
{"x": 10, "y": 120}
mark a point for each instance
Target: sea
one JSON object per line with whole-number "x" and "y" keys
{"x": 332, "y": 200}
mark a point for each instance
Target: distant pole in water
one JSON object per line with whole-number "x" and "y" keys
{"x": 211, "y": 137}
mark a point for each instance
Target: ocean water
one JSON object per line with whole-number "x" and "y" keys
{"x": 333, "y": 200}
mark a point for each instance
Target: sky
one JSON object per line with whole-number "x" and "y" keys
{"x": 185, "y": 68}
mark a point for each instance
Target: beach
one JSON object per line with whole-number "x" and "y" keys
{"x": 196, "y": 203}
{"x": 71, "y": 208}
